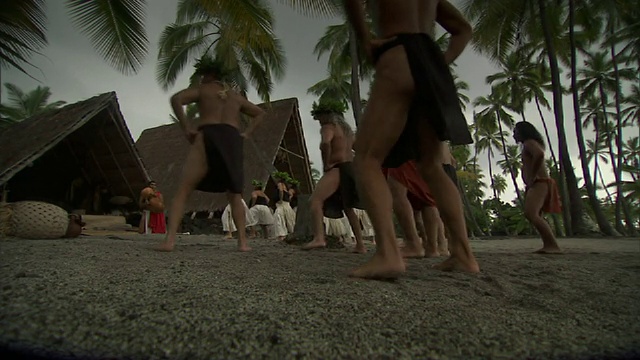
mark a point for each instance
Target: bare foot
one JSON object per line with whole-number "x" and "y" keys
{"x": 228, "y": 237}
{"x": 431, "y": 254}
{"x": 315, "y": 244}
{"x": 244, "y": 248}
{"x": 469, "y": 265}
{"x": 359, "y": 249}
{"x": 412, "y": 252}
{"x": 444, "y": 252}
{"x": 166, "y": 246}
{"x": 549, "y": 250}
{"x": 381, "y": 268}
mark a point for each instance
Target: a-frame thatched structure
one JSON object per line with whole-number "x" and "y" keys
{"x": 89, "y": 140}
{"x": 279, "y": 143}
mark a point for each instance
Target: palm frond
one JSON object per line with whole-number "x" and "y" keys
{"x": 22, "y": 32}
{"x": 115, "y": 28}
{"x": 316, "y": 7}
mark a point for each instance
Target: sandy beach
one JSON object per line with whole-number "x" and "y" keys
{"x": 113, "y": 297}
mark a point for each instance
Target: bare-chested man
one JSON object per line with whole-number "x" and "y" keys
{"x": 542, "y": 191}
{"x": 412, "y": 108}
{"x": 215, "y": 159}
{"x": 335, "y": 192}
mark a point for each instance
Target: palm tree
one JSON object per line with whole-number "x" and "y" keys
{"x": 500, "y": 26}
{"x": 515, "y": 161}
{"x": 25, "y": 105}
{"x": 593, "y": 152}
{"x": 247, "y": 45}
{"x": 336, "y": 86}
{"x": 499, "y": 184}
{"x": 114, "y": 27}
{"x": 602, "y": 221}
{"x": 632, "y": 112}
{"x": 495, "y": 113}
{"x": 488, "y": 138}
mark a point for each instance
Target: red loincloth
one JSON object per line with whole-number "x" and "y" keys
{"x": 157, "y": 223}
{"x": 552, "y": 203}
{"x": 418, "y": 192}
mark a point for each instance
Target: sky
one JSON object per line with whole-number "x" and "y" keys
{"x": 74, "y": 72}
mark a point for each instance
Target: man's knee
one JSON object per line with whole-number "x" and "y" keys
{"x": 531, "y": 214}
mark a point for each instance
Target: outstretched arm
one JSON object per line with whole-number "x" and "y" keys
{"x": 327, "y": 133}
{"x": 179, "y": 100}
{"x": 250, "y": 109}
{"x": 460, "y": 29}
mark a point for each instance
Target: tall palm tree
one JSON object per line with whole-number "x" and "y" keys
{"x": 246, "y": 45}
{"x": 499, "y": 184}
{"x": 336, "y": 86}
{"x": 495, "y": 112}
{"x": 502, "y": 25}
{"x": 24, "y": 105}
{"x": 488, "y": 138}
{"x": 632, "y": 112}
{"x": 593, "y": 152}
{"x": 518, "y": 79}
{"x": 602, "y": 221}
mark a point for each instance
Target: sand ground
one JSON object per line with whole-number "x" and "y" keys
{"x": 101, "y": 297}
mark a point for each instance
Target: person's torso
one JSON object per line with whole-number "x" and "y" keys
{"x": 341, "y": 146}
{"x": 406, "y": 16}
{"x": 218, "y": 104}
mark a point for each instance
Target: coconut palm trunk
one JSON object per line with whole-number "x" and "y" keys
{"x": 622, "y": 203}
{"x": 356, "y": 102}
{"x": 577, "y": 225}
{"x": 603, "y": 224}
{"x": 506, "y": 159}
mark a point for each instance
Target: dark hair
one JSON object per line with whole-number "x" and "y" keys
{"x": 526, "y": 131}
{"x": 210, "y": 65}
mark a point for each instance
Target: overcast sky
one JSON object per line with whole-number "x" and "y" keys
{"x": 73, "y": 71}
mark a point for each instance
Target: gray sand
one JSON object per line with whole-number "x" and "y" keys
{"x": 115, "y": 298}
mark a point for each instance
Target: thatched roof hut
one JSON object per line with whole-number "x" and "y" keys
{"x": 279, "y": 145}
{"x": 89, "y": 140}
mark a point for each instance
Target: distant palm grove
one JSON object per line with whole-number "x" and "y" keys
{"x": 546, "y": 50}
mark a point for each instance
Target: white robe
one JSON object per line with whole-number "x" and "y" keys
{"x": 228, "y": 225}
{"x": 262, "y": 214}
{"x": 285, "y": 218}
{"x": 365, "y": 221}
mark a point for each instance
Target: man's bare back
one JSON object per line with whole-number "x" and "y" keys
{"x": 341, "y": 145}
{"x": 407, "y": 16}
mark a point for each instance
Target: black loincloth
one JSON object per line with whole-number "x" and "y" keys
{"x": 346, "y": 196}
{"x": 224, "y": 149}
{"x": 435, "y": 100}
{"x": 451, "y": 172}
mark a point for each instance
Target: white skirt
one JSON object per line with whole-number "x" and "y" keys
{"x": 228, "y": 225}
{"x": 348, "y": 231}
{"x": 285, "y": 218}
{"x": 335, "y": 227}
{"x": 365, "y": 221}
{"x": 262, "y": 214}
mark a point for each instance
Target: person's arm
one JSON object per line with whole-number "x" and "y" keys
{"x": 266, "y": 197}
{"x": 179, "y": 100}
{"x": 253, "y": 110}
{"x": 460, "y": 29}
{"x": 536, "y": 153}
{"x": 326, "y": 133}
{"x": 254, "y": 197}
{"x": 356, "y": 15}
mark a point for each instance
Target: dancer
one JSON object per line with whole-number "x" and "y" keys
{"x": 285, "y": 217}
{"x": 259, "y": 207}
{"x": 411, "y": 201}
{"x": 365, "y": 224}
{"x": 412, "y": 108}
{"x": 335, "y": 193}
{"x": 229, "y": 226}
{"x": 152, "y": 202}
{"x": 214, "y": 162}
{"x": 541, "y": 190}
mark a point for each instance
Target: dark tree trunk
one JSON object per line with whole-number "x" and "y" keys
{"x": 303, "y": 228}
{"x": 356, "y": 102}
{"x": 603, "y": 224}
{"x": 575, "y": 200}
{"x": 506, "y": 159}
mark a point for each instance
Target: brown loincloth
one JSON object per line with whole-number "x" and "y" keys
{"x": 552, "y": 203}
{"x": 435, "y": 99}
{"x": 224, "y": 148}
{"x": 418, "y": 192}
{"x": 346, "y": 196}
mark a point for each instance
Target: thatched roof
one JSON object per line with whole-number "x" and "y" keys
{"x": 93, "y": 135}
{"x": 279, "y": 137}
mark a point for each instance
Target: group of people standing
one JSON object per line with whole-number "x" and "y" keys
{"x": 399, "y": 159}
{"x": 279, "y": 221}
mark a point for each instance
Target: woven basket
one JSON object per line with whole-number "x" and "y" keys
{"x": 35, "y": 220}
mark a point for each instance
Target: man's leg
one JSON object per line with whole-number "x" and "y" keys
{"x": 326, "y": 186}
{"x": 239, "y": 218}
{"x": 384, "y": 119}
{"x": 449, "y": 202}
{"x": 430, "y": 220}
{"x": 443, "y": 235}
{"x": 354, "y": 222}
{"x": 533, "y": 202}
{"x": 404, "y": 212}
{"x": 195, "y": 169}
